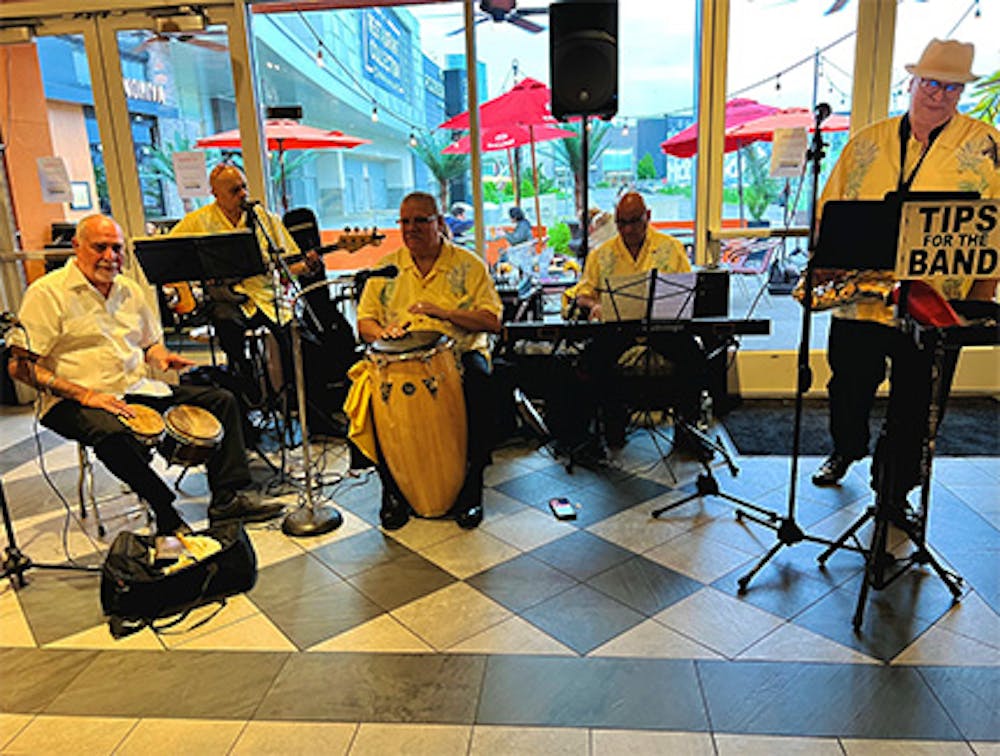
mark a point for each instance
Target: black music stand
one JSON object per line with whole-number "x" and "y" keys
{"x": 881, "y": 567}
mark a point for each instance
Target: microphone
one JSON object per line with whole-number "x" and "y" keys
{"x": 362, "y": 276}
{"x": 248, "y": 205}
{"x": 822, "y": 112}
{"x": 386, "y": 271}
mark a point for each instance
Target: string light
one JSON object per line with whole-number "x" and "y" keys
{"x": 374, "y": 113}
{"x": 625, "y": 129}
{"x": 413, "y": 139}
{"x": 777, "y": 82}
{"x": 319, "y": 58}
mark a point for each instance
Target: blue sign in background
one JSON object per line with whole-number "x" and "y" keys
{"x": 386, "y": 48}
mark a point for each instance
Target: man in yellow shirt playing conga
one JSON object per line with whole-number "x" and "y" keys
{"x": 438, "y": 287}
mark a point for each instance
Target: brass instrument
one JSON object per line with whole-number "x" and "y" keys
{"x": 833, "y": 288}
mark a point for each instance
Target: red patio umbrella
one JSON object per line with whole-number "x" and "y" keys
{"x": 507, "y": 137}
{"x": 286, "y": 134}
{"x": 527, "y": 103}
{"x": 738, "y": 110}
{"x": 762, "y": 129}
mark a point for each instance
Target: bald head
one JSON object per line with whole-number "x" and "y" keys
{"x": 632, "y": 219}
{"x": 229, "y": 186}
{"x": 99, "y": 245}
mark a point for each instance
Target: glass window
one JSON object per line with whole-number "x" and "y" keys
{"x": 975, "y": 22}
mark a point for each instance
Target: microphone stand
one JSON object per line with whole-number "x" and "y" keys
{"x": 787, "y": 529}
{"x": 310, "y": 519}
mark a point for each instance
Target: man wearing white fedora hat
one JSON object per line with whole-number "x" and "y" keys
{"x": 931, "y": 147}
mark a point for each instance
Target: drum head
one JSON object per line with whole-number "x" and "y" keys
{"x": 147, "y": 421}
{"x": 192, "y": 423}
{"x": 414, "y": 341}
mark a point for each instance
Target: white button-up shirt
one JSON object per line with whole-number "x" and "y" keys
{"x": 83, "y": 337}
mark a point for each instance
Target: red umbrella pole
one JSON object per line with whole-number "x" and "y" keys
{"x": 534, "y": 174}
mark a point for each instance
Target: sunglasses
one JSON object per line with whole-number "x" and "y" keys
{"x": 419, "y": 221}
{"x": 933, "y": 86}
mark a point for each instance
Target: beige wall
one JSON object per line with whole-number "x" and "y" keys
{"x": 69, "y": 141}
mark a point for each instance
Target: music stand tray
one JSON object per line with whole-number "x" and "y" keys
{"x": 203, "y": 257}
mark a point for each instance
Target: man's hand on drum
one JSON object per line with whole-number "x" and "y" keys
{"x": 394, "y": 331}
{"x": 429, "y": 309}
{"x": 107, "y": 402}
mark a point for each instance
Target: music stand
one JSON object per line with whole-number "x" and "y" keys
{"x": 881, "y": 568}
{"x": 174, "y": 259}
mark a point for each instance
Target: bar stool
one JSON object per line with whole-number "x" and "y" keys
{"x": 85, "y": 486}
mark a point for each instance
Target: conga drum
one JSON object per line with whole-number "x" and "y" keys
{"x": 147, "y": 424}
{"x": 192, "y": 435}
{"x": 419, "y": 412}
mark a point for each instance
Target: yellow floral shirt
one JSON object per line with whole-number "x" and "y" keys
{"x": 962, "y": 158}
{"x": 259, "y": 289}
{"x": 612, "y": 258}
{"x": 458, "y": 281}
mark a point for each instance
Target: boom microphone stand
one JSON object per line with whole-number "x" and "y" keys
{"x": 308, "y": 520}
{"x": 786, "y": 528}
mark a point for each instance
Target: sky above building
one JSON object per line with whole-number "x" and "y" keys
{"x": 657, "y": 47}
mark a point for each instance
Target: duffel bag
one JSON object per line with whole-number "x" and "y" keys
{"x": 137, "y": 589}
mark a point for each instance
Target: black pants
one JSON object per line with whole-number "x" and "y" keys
{"x": 858, "y": 353}
{"x": 477, "y": 388}
{"x": 128, "y": 459}
{"x": 608, "y": 391}
{"x": 231, "y": 324}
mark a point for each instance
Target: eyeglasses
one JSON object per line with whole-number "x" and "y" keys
{"x": 933, "y": 86}
{"x": 631, "y": 221}
{"x": 419, "y": 221}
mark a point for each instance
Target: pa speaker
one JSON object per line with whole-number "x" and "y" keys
{"x": 583, "y": 57}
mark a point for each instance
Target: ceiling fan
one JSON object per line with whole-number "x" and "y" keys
{"x": 185, "y": 24}
{"x": 499, "y": 11}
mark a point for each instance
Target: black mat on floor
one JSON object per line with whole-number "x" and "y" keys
{"x": 971, "y": 427}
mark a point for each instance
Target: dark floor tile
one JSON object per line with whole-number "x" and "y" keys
{"x": 644, "y": 585}
{"x": 581, "y": 555}
{"x": 185, "y": 684}
{"x": 823, "y": 700}
{"x": 322, "y": 613}
{"x": 290, "y": 579}
{"x": 582, "y": 618}
{"x": 60, "y": 604}
{"x": 33, "y": 677}
{"x": 781, "y": 587}
{"x": 611, "y": 693}
{"x": 893, "y": 617}
{"x": 376, "y": 688}
{"x": 970, "y": 695}
{"x": 535, "y": 488}
{"x": 360, "y": 496}
{"x": 755, "y": 476}
{"x": 595, "y": 506}
{"x": 807, "y": 511}
{"x": 405, "y": 579}
{"x": 27, "y": 497}
{"x": 360, "y": 552}
{"x": 629, "y": 490}
{"x": 521, "y": 582}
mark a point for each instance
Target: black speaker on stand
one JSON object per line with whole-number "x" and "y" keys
{"x": 583, "y": 57}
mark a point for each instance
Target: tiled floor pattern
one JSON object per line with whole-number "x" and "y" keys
{"x": 614, "y": 632}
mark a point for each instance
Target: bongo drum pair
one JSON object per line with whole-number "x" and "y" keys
{"x": 420, "y": 417}
{"x": 184, "y": 435}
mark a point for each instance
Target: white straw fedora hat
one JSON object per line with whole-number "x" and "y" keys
{"x": 945, "y": 60}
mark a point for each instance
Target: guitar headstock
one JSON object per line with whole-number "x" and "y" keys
{"x": 354, "y": 240}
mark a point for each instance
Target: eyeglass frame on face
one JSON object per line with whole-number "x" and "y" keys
{"x": 634, "y": 220}
{"x": 418, "y": 221}
{"x": 933, "y": 86}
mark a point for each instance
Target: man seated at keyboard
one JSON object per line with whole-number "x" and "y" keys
{"x": 636, "y": 249}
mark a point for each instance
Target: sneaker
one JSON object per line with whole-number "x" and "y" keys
{"x": 394, "y": 513}
{"x": 832, "y": 470}
{"x": 240, "y": 505}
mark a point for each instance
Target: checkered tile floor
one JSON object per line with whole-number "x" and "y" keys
{"x": 614, "y": 631}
